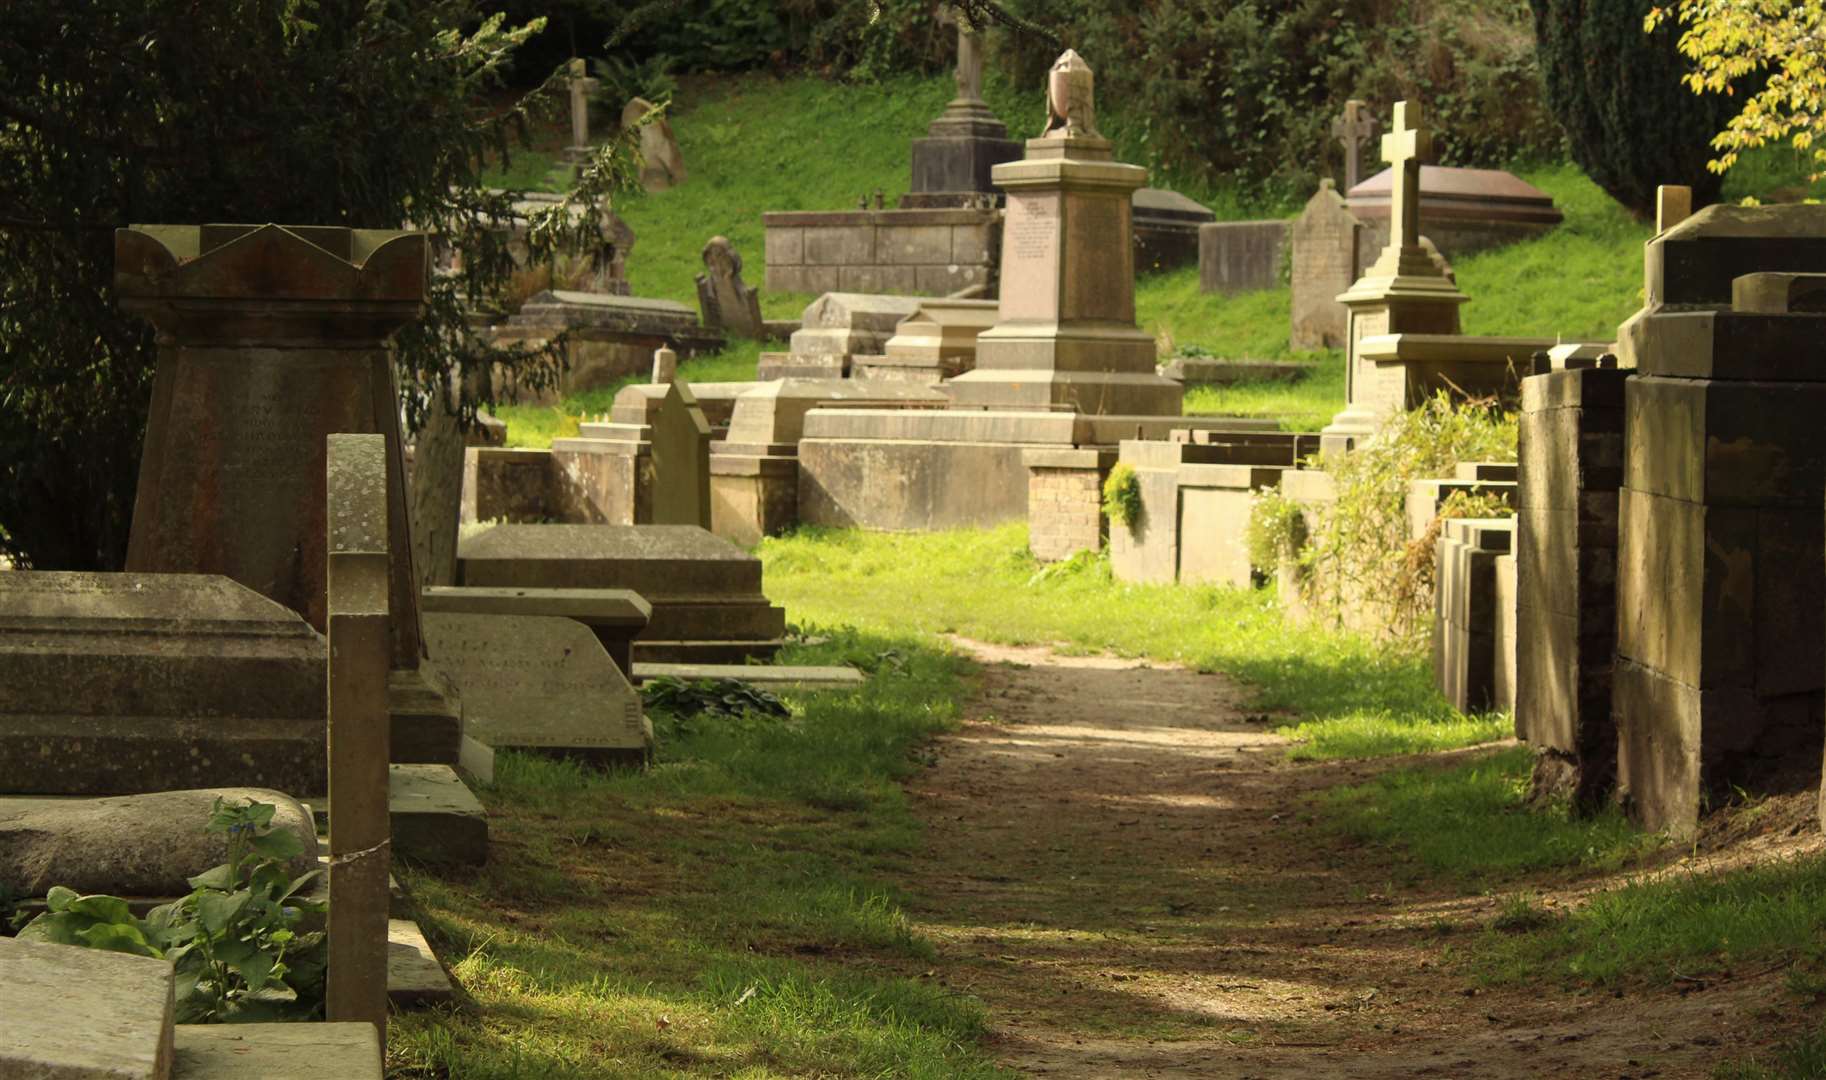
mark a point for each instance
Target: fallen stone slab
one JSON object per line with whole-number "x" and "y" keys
{"x": 415, "y": 978}
{"x": 436, "y": 819}
{"x": 128, "y": 845}
{"x": 73, "y": 1013}
{"x": 766, "y": 676}
{"x": 346, "y": 1051}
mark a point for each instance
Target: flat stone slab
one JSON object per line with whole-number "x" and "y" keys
{"x": 347, "y": 1051}
{"x": 128, "y": 845}
{"x": 436, "y": 819}
{"x": 769, "y": 676}
{"x": 415, "y": 979}
{"x": 1209, "y": 371}
{"x": 72, "y": 1013}
{"x": 591, "y": 607}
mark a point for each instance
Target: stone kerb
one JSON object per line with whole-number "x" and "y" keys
{"x": 361, "y": 827}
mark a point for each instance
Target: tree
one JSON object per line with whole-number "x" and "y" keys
{"x": 1782, "y": 44}
{"x": 362, "y": 113}
{"x": 1617, "y": 92}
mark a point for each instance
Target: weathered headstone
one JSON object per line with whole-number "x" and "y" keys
{"x": 951, "y": 165}
{"x": 681, "y": 460}
{"x": 615, "y": 616}
{"x": 1720, "y": 583}
{"x": 120, "y": 683}
{"x": 360, "y": 828}
{"x": 1353, "y": 127}
{"x": 1329, "y": 252}
{"x": 1066, "y": 334}
{"x": 84, "y": 1014}
{"x": 661, "y": 164}
{"x": 665, "y": 366}
{"x": 540, "y": 682}
{"x": 725, "y": 300}
{"x": 1236, "y": 256}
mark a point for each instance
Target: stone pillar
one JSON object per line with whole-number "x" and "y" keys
{"x": 665, "y": 366}
{"x": 1720, "y": 583}
{"x": 1571, "y": 445}
{"x": 270, "y": 339}
{"x": 1404, "y": 292}
{"x": 952, "y": 165}
{"x": 1065, "y": 501}
{"x": 360, "y": 826}
{"x": 1066, "y": 335}
{"x": 1353, "y": 127}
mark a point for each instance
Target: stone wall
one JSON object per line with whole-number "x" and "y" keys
{"x": 1236, "y": 256}
{"x": 919, "y": 252}
{"x": 1065, "y": 501}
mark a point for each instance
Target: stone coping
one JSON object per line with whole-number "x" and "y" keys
{"x": 737, "y": 464}
{"x": 1482, "y": 534}
{"x": 1085, "y": 458}
{"x": 1451, "y": 348}
{"x": 812, "y": 218}
{"x": 1234, "y": 477}
{"x": 941, "y": 425}
{"x": 763, "y": 675}
{"x": 592, "y": 607}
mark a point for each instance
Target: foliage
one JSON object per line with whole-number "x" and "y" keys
{"x": 1218, "y": 88}
{"x": 238, "y": 943}
{"x": 1277, "y": 531}
{"x": 1617, "y": 93}
{"x": 711, "y": 697}
{"x": 1360, "y": 563}
{"x": 1122, "y": 496}
{"x": 318, "y": 112}
{"x": 1739, "y": 44}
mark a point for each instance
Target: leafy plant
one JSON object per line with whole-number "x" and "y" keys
{"x": 237, "y": 943}
{"x": 713, "y": 697}
{"x": 1122, "y": 496}
{"x": 1277, "y": 532}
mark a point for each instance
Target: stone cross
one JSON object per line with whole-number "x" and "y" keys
{"x": 581, "y": 87}
{"x": 969, "y": 55}
{"x": 1070, "y": 100}
{"x": 359, "y": 745}
{"x": 1405, "y": 147}
{"x": 665, "y": 366}
{"x": 1355, "y": 126}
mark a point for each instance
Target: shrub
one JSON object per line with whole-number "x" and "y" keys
{"x": 1122, "y": 496}
{"x": 1277, "y": 532}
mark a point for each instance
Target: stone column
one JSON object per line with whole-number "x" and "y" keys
{"x": 1404, "y": 292}
{"x": 1066, "y": 333}
{"x": 270, "y": 339}
{"x": 360, "y": 826}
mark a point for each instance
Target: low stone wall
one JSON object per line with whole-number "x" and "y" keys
{"x": 917, "y": 252}
{"x": 1236, "y": 256}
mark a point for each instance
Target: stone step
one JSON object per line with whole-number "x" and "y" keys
{"x": 766, "y": 676}
{"x": 276, "y": 1052}
{"x": 427, "y": 720}
{"x": 436, "y": 818}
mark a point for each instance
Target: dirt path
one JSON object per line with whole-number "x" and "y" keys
{"x": 1125, "y": 868}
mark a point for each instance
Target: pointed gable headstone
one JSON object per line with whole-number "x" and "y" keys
{"x": 681, "y": 460}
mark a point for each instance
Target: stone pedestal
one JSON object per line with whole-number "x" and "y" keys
{"x": 1066, "y": 336}
{"x": 1571, "y": 445}
{"x": 1720, "y": 584}
{"x": 951, "y": 165}
{"x": 272, "y": 338}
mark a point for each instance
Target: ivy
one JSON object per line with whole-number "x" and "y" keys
{"x": 1122, "y": 496}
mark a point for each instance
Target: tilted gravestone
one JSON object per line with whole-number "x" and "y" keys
{"x": 358, "y": 640}
{"x": 661, "y": 164}
{"x": 725, "y": 301}
{"x": 272, "y": 338}
{"x": 681, "y": 460}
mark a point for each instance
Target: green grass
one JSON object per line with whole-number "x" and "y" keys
{"x": 1800, "y": 1059}
{"x": 722, "y": 913}
{"x": 1343, "y": 696}
{"x": 1470, "y": 822}
{"x": 1306, "y": 404}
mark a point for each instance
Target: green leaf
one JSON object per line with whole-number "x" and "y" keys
{"x": 254, "y": 968}
{"x": 216, "y": 877}
{"x": 217, "y": 910}
{"x": 261, "y": 813}
{"x": 297, "y": 883}
{"x": 59, "y": 897}
{"x": 102, "y": 908}
{"x": 281, "y": 845}
{"x": 54, "y": 928}
{"x": 118, "y": 937}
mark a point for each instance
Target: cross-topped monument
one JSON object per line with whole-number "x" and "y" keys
{"x": 951, "y": 164}
{"x": 1353, "y": 127}
{"x": 582, "y": 86}
{"x": 1405, "y": 147}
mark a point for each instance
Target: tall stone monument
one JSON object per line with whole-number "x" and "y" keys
{"x": 1405, "y": 291}
{"x": 271, "y": 338}
{"x": 952, "y": 164}
{"x": 1066, "y": 335}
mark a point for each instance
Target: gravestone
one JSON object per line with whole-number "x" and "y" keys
{"x": 833, "y": 330}
{"x": 1720, "y": 583}
{"x": 582, "y": 86}
{"x": 665, "y": 366}
{"x": 1353, "y": 127}
{"x": 1066, "y": 335}
{"x": 1466, "y": 620}
{"x": 936, "y": 342}
{"x": 1329, "y": 249}
{"x": 75, "y": 1013}
{"x": 615, "y": 616}
{"x": 1571, "y": 448}
{"x": 726, "y": 302}
{"x": 360, "y": 827}
{"x": 121, "y": 683}
{"x": 1237, "y": 256}
{"x": 661, "y": 164}
{"x": 542, "y": 683}
{"x": 681, "y": 460}
{"x": 951, "y": 165}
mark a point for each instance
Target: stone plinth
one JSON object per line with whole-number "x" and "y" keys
{"x": 1391, "y": 373}
{"x": 1065, "y": 501}
{"x": 1466, "y": 622}
{"x": 1720, "y": 582}
{"x": 1066, "y": 334}
{"x": 126, "y": 683}
{"x": 1195, "y": 500}
{"x": 84, "y": 1014}
{"x": 346, "y": 1051}
{"x": 705, "y": 592}
{"x": 1466, "y": 210}
{"x": 936, "y": 342}
{"x": 1571, "y": 442}
{"x": 1211, "y": 371}
{"x": 753, "y": 496}
{"x": 833, "y": 330}
{"x": 1168, "y": 229}
{"x": 1239, "y": 256}
{"x": 915, "y": 252}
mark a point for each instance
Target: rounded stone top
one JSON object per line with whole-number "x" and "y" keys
{"x": 1070, "y": 99}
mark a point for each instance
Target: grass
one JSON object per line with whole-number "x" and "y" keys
{"x": 1471, "y": 823}
{"x": 1340, "y": 696}
{"x": 721, "y": 914}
